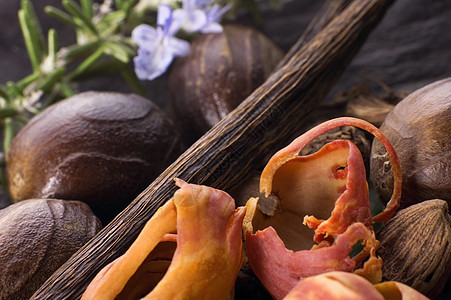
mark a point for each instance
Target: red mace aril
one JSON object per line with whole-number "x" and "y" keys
{"x": 204, "y": 229}
{"x": 329, "y": 192}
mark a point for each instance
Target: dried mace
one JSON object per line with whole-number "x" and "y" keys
{"x": 203, "y": 261}
{"x": 328, "y": 190}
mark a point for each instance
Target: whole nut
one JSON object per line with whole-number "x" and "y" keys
{"x": 419, "y": 129}
{"x": 102, "y": 148}
{"x": 415, "y": 247}
{"x": 36, "y": 237}
{"x": 221, "y": 70}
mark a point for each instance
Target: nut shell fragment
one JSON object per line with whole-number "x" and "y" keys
{"x": 36, "y": 237}
{"x": 416, "y": 247}
{"x": 419, "y": 129}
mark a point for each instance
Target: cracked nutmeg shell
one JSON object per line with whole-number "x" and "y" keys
{"x": 36, "y": 237}
{"x": 415, "y": 247}
{"x": 221, "y": 70}
{"x": 102, "y": 148}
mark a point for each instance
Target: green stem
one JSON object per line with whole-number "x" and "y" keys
{"x": 119, "y": 4}
{"x": 86, "y": 64}
{"x": 47, "y": 84}
{"x": 29, "y": 40}
{"x": 13, "y": 89}
{"x": 52, "y": 45}
{"x": 66, "y": 90}
{"x": 7, "y": 112}
{"x": 76, "y": 51}
{"x": 86, "y": 6}
{"x": 4, "y": 93}
{"x": 73, "y": 8}
{"x": 34, "y": 27}
{"x": 61, "y": 16}
{"x": 22, "y": 84}
{"x": 132, "y": 81}
{"x": 8, "y": 134}
{"x": 127, "y": 5}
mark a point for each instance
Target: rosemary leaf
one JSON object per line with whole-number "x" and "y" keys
{"x": 34, "y": 27}
{"x": 133, "y": 81}
{"x": 7, "y": 112}
{"x": 13, "y": 89}
{"x": 119, "y": 4}
{"x": 22, "y": 84}
{"x": 66, "y": 89}
{"x": 110, "y": 23}
{"x": 61, "y": 16}
{"x": 86, "y": 6}
{"x": 75, "y": 10}
{"x": 118, "y": 51}
{"x": 30, "y": 42}
{"x": 4, "y": 94}
{"x": 51, "y": 80}
{"x": 86, "y": 63}
{"x": 52, "y": 44}
{"x": 126, "y": 5}
{"x": 102, "y": 67}
{"x": 75, "y": 51}
{"x": 8, "y": 134}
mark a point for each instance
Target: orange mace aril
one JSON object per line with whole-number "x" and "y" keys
{"x": 329, "y": 192}
{"x": 206, "y": 229}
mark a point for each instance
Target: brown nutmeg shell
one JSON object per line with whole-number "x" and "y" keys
{"x": 36, "y": 237}
{"x": 419, "y": 127}
{"x": 415, "y": 247}
{"x": 102, "y": 148}
{"x": 221, "y": 70}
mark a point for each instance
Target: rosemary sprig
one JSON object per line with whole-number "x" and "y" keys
{"x": 98, "y": 35}
{"x": 102, "y": 46}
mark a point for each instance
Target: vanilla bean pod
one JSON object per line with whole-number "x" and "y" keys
{"x": 241, "y": 142}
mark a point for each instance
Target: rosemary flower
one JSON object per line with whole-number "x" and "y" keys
{"x": 157, "y": 47}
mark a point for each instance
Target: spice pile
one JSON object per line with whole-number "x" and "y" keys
{"x": 243, "y": 186}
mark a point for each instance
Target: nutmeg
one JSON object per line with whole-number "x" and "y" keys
{"x": 36, "y": 237}
{"x": 102, "y": 148}
{"x": 415, "y": 247}
{"x": 419, "y": 129}
{"x": 221, "y": 70}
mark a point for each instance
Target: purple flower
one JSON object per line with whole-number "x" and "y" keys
{"x": 200, "y": 15}
{"x": 214, "y": 15}
{"x": 157, "y": 47}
